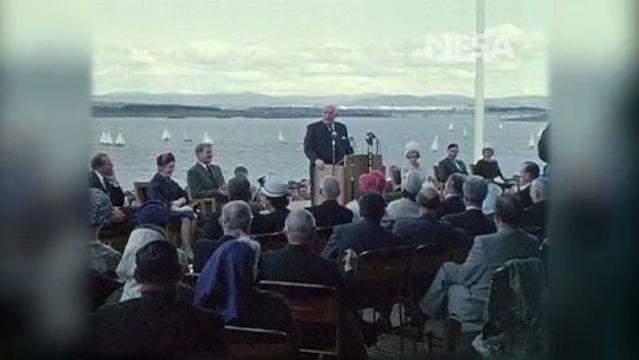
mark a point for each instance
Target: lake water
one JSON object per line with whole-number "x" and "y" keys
{"x": 254, "y": 144}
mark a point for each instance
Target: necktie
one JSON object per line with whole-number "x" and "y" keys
{"x": 208, "y": 169}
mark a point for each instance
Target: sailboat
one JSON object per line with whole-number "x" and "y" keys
{"x": 280, "y": 137}
{"x": 102, "y": 140}
{"x": 166, "y": 135}
{"x": 531, "y": 141}
{"x": 465, "y": 133}
{"x": 450, "y": 127}
{"x": 108, "y": 139}
{"x": 206, "y": 138}
{"x": 434, "y": 147}
{"x": 119, "y": 140}
{"x": 186, "y": 137}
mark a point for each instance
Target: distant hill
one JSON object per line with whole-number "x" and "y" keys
{"x": 249, "y": 99}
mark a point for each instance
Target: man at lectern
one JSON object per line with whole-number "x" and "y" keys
{"x": 326, "y": 141}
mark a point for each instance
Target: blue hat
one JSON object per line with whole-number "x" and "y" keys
{"x": 153, "y": 212}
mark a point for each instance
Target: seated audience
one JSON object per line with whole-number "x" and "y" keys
{"x": 153, "y": 212}
{"x": 529, "y": 172}
{"x": 412, "y": 153}
{"x": 227, "y": 287}
{"x": 101, "y": 286}
{"x": 297, "y": 262}
{"x": 462, "y": 290}
{"x": 426, "y": 228}
{"x": 204, "y": 179}
{"x": 235, "y": 219}
{"x": 102, "y": 258}
{"x": 453, "y": 201}
{"x": 450, "y": 164}
{"x": 330, "y": 212}
{"x": 373, "y": 181}
{"x": 367, "y": 234}
{"x": 276, "y": 194}
{"x": 239, "y": 189}
{"x": 165, "y": 189}
{"x": 535, "y": 216}
{"x": 487, "y": 167}
{"x": 473, "y": 221}
{"x": 493, "y": 193}
{"x": 406, "y": 207}
{"x": 241, "y": 171}
{"x": 157, "y": 324}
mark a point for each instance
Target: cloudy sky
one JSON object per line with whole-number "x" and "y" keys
{"x": 316, "y": 47}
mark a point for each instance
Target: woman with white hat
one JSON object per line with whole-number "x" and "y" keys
{"x": 412, "y": 153}
{"x": 277, "y": 197}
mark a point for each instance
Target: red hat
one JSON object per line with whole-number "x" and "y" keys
{"x": 372, "y": 182}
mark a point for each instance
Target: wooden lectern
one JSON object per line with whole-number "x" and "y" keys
{"x": 347, "y": 174}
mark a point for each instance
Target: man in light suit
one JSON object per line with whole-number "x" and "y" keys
{"x": 204, "y": 179}
{"x": 450, "y": 164}
{"x": 463, "y": 289}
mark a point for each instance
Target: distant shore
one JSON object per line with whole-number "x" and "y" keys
{"x": 276, "y": 112}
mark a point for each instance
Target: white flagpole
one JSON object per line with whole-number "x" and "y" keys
{"x": 479, "y": 81}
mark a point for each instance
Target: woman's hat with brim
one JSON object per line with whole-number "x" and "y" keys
{"x": 412, "y": 146}
{"x": 275, "y": 188}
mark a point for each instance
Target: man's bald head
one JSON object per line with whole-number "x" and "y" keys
{"x": 300, "y": 227}
{"x": 428, "y": 200}
{"x": 329, "y": 113}
{"x": 236, "y": 217}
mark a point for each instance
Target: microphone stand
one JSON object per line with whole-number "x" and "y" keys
{"x": 334, "y": 135}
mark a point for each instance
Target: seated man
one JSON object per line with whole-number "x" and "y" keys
{"x": 330, "y": 212}
{"x": 529, "y": 172}
{"x": 535, "y": 216}
{"x": 473, "y": 220}
{"x": 406, "y": 207}
{"x": 239, "y": 188}
{"x": 450, "y": 164}
{"x": 463, "y": 289}
{"x": 366, "y": 234}
{"x": 102, "y": 258}
{"x": 204, "y": 179}
{"x": 235, "y": 220}
{"x": 373, "y": 181}
{"x": 453, "y": 202}
{"x": 297, "y": 262}
{"x": 157, "y": 325}
{"x": 426, "y": 228}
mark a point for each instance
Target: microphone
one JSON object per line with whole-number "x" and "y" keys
{"x": 334, "y": 134}
{"x": 369, "y": 138}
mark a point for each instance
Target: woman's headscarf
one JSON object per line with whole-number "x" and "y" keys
{"x": 99, "y": 207}
{"x": 139, "y": 237}
{"x": 226, "y": 283}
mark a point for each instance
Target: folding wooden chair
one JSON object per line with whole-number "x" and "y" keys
{"x": 316, "y": 311}
{"x": 258, "y": 344}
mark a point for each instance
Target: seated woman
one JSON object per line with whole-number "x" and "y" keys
{"x": 277, "y": 199}
{"x": 412, "y": 154}
{"x": 102, "y": 258}
{"x": 227, "y": 286}
{"x": 487, "y": 167}
{"x": 165, "y": 189}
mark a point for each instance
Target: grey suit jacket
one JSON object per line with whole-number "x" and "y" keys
{"x": 203, "y": 184}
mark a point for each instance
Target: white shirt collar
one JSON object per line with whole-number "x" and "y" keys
{"x": 473, "y": 207}
{"x": 101, "y": 178}
{"x": 203, "y": 165}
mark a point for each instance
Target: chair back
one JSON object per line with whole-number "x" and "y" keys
{"x": 430, "y": 257}
{"x": 251, "y": 344}
{"x": 384, "y": 264}
{"x": 271, "y": 241}
{"x": 140, "y": 191}
{"x": 310, "y": 305}
{"x": 322, "y": 236}
{"x": 471, "y": 167}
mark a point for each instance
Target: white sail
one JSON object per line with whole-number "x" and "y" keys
{"x": 500, "y": 126}
{"x": 206, "y": 138}
{"x": 280, "y": 137}
{"x": 465, "y": 133}
{"x": 531, "y": 141}
{"x": 166, "y": 135}
{"x": 102, "y": 140}
{"x": 451, "y": 127}
{"x": 108, "y": 139}
{"x": 434, "y": 147}
{"x": 119, "y": 140}
{"x": 186, "y": 137}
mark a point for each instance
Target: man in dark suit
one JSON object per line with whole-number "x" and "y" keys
{"x": 473, "y": 220}
{"x": 450, "y": 164}
{"x": 102, "y": 177}
{"x": 535, "y": 216}
{"x": 453, "y": 202}
{"x": 366, "y": 234}
{"x": 529, "y": 171}
{"x": 157, "y": 325}
{"x": 318, "y": 142}
{"x": 235, "y": 219}
{"x": 205, "y": 179}
{"x": 463, "y": 289}
{"x": 330, "y": 212}
{"x": 425, "y": 229}
{"x": 239, "y": 188}
{"x": 297, "y": 262}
